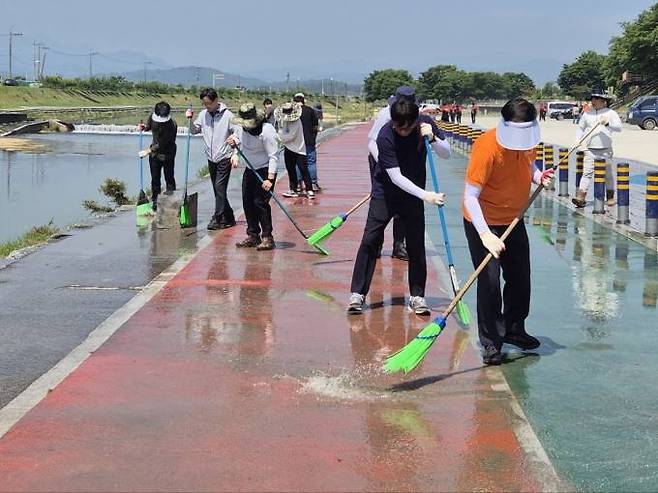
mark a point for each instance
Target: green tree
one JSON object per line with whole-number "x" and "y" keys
{"x": 587, "y": 71}
{"x": 636, "y": 50}
{"x": 443, "y": 82}
{"x": 517, "y": 85}
{"x": 380, "y": 84}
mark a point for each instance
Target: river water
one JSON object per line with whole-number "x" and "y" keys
{"x": 38, "y": 188}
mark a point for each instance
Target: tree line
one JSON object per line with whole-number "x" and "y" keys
{"x": 448, "y": 83}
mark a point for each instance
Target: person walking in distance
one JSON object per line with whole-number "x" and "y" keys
{"x": 311, "y": 127}
{"x": 291, "y": 134}
{"x": 214, "y": 123}
{"x": 474, "y": 112}
{"x": 598, "y": 145}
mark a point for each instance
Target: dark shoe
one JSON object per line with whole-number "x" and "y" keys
{"x": 155, "y": 205}
{"x": 249, "y": 242}
{"x": 522, "y": 341}
{"x": 213, "y": 224}
{"x": 579, "y": 199}
{"x": 226, "y": 225}
{"x": 400, "y": 251}
{"x": 492, "y": 356}
{"x": 292, "y": 194}
{"x": 266, "y": 244}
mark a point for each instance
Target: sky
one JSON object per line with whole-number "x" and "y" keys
{"x": 268, "y": 39}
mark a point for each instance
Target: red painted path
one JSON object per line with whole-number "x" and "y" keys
{"x": 245, "y": 374}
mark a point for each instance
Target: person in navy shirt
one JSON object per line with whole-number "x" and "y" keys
{"x": 398, "y": 187}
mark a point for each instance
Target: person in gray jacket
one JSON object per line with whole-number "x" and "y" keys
{"x": 214, "y": 123}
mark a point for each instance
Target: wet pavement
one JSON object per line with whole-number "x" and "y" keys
{"x": 244, "y": 373}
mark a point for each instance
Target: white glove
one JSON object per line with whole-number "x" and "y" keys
{"x": 492, "y": 243}
{"x": 604, "y": 119}
{"x": 426, "y": 131}
{"x": 435, "y": 198}
{"x": 142, "y": 154}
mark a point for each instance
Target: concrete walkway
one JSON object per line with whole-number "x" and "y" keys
{"x": 240, "y": 371}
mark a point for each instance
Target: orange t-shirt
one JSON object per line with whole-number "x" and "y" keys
{"x": 504, "y": 176}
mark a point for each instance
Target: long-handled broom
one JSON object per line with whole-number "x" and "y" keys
{"x": 463, "y": 313}
{"x": 328, "y": 229}
{"x": 144, "y": 207}
{"x": 410, "y": 356}
{"x": 319, "y": 248}
{"x": 187, "y": 217}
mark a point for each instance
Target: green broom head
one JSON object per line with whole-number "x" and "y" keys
{"x": 185, "y": 217}
{"x": 144, "y": 207}
{"x": 410, "y": 356}
{"x": 326, "y": 231}
{"x": 320, "y": 296}
{"x": 463, "y": 313}
{"x": 321, "y": 249}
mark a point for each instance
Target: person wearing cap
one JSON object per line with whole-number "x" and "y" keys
{"x": 291, "y": 134}
{"x": 498, "y": 180}
{"x": 598, "y": 145}
{"x": 162, "y": 151}
{"x": 257, "y": 140}
{"x": 398, "y": 183}
{"x": 311, "y": 126}
{"x": 383, "y": 117}
{"x": 214, "y": 123}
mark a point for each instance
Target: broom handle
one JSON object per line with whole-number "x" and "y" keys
{"x": 283, "y": 208}
{"x": 141, "y": 166}
{"x": 507, "y": 232}
{"x": 361, "y": 202}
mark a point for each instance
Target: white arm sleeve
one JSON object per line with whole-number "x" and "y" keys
{"x": 405, "y": 183}
{"x": 615, "y": 122}
{"x": 472, "y": 204}
{"x": 374, "y": 150}
{"x": 442, "y": 148}
{"x": 272, "y": 148}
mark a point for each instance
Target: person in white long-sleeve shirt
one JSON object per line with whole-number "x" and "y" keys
{"x": 598, "y": 145}
{"x": 214, "y": 123}
{"x": 257, "y": 140}
{"x": 398, "y": 188}
{"x": 291, "y": 133}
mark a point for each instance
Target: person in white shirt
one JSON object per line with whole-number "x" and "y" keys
{"x": 257, "y": 140}
{"x": 291, "y": 134}
{"x": 214, "y": 123}
{"x": 598, "y": 146}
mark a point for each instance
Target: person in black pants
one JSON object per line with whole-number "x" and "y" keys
{"x": 398, "y": 183}
{"x": 214, "y": 123}
{"x": 498, "y": 180}
{"x": 162, "y": 151}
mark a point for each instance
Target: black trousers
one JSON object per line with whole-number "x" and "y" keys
{"x": 398, "y": 226}
{"x": 500, "y": 315}
{"x": 293, "y": 161}
{"x": 381, "y": 211}
{"x": 473, "y": 115}
{"x": 219, "y": 175}
{"x": 156, "y": 165}
{"x": 256, "y": 203}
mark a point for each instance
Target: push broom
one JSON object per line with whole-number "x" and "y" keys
{"x": 328, "y": 229}
{"x": 319, "y": 248}
{"x": 187, "y": 217}
{"x": 463, "y": 313}
{"x": 411, "y": 355}
{"x": 144, "y": 207}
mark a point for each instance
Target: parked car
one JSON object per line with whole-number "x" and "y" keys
{"x": 559, "y": 107}
{"x": 10, "y": 82}
{"x": 429, "y": 108}
{"x": 644, "y": 113}
{"x": 562, "y": 114}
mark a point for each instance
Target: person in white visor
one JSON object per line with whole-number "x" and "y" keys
{"x": 497, "y": 187}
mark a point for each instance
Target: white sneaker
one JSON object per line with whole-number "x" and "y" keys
{"x": 311, "y": 194}
{"x": 418, "y": 305}
{"x": 355, "y": 306}
{"x": 291, "y": 194}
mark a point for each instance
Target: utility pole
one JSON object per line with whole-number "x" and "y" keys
{"x": 216, "y": 77}
{"x": 288, "y": 82}
{"x": 91, "y": 54}
{"x": 322, "y": 86}
{"x": 146, "y": 64}
{"x": 11, "y": 37}
{"x": 42, "y": 59}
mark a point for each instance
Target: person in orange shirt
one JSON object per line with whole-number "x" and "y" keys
{"x": 497, "y": 187}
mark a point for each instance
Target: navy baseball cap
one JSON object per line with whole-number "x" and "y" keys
{"x": 406, "y": 92}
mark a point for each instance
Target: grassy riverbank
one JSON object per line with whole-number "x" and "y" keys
{"x": 35, "y": 236}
